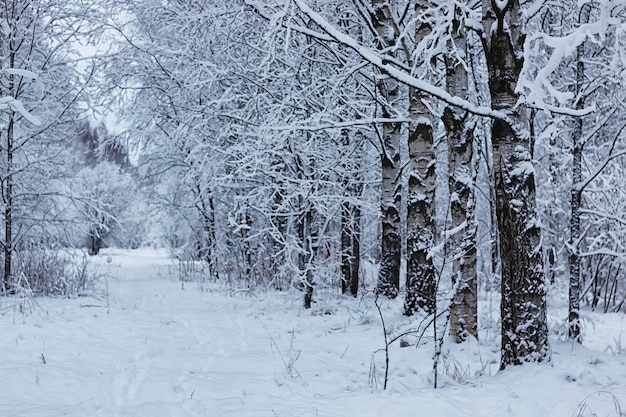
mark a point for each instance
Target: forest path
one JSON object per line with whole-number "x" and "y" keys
{"x": 158, "y": 350}
{"x": 181, "y": 352}
{"x": 150, "y": 348}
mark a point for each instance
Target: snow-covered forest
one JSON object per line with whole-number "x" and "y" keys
{"x": 313, "y": 207}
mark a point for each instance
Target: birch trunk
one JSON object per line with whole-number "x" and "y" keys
{"x": 524, "y": 328}
{"x": 208, "y": 243}
{"x": 574, "y": 258}
{"x": 461, "y": 181}
{"x": 421, "y": 227}
{"x": 391, "y": 187}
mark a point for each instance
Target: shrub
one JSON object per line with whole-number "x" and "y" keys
{"x": 52, "y": 272}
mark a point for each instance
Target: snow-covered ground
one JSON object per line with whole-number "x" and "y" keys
{"x": 157, "y": 350}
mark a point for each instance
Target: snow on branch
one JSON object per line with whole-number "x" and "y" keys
{"x": 16, "y": 105}
{"x": 540, "y": 89}
{"x": 501, "y": 5}
{"x": 603, "y": 251}
{"x": 325, "y": 125}
{"x": 535, "y": 90}
{"x": 603, "y": 215}
{"x": 402, "y": 76}
{"x": 21, "y": 72}
{"x": 262, "y": 9}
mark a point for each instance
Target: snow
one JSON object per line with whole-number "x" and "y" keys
{"x": 21, "y": 72}
{"x": 16, "y": 105}
{"x": 164, "y": 351}
{"x": 501, "y": 4}
{"x": 405, "y": 78}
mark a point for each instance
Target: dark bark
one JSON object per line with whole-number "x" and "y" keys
{"x": 306, "y": 258}
{"x": 8, "y": 182}
{"x": 346, "y": 248}
{"x": 95, "y": 241}
{"x": 350, "y": 248}
{"x": 523, "y": 309}
{"x": 355, "y": 259}
{"x": 8, "y": 210}
{"x": 389, "y": 272}
{"x": 574, "y": 259}
{"x": 205, "y": 206}
{"x": 280, "y": 224}
{"x": 576, "y": 197}
{"x": 352, "y": 186}
{"x": 524, "y": 328}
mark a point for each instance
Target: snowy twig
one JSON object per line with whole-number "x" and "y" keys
{"x": 387, "y": 343}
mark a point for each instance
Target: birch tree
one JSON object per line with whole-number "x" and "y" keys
{"x": 523, "y": 286}
{"x": 459, "y": 127}
{"x": 524, "y": 326}
{"x": 421, "y": 227}
{"x": 580, "y": 65}
{"x": 383, "y": 14}
{"x": 606, "y": 136}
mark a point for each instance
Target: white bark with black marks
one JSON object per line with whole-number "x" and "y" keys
{"x": 524, "y": 327}
{"x": 421, "y": 225}
{"x": 391, "y": 186}
{"x": 459, "y": 127}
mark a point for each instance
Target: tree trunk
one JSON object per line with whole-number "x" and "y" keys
{"x": 7, "y": 194}
{"x": 461, "y": 182}
{"x": 576, "y": 197}
{"x": 350, "y": 248}
{"x": 346, "y": 247}
{"x": 421, "y": 226}
{"x": 279, "y": 223}
{"x": 350, "y": 224}
{"x": 306, "y": 257}
{"x": 208, "y": 240}
{"x": 8, "y": 181}
{"x": 574, "y": 258}
{"x": 355, "y": 259}
{"x": 391, "y": 186}
{"x": 524, "y": 327}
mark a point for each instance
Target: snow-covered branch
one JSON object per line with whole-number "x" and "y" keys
{"x": 375, "y": 59}
{"x": 16, "y": 105}
{"x": 262, "y": 9}
{"x": 538, "y": 88}
{"x": 324, "y": 125}
{"x": 602, "y": 165}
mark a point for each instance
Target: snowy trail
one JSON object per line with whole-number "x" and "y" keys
{"x": 183, "y": 353}
{"x": 159, "y": 351}
{"x": 162, "y": 351}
